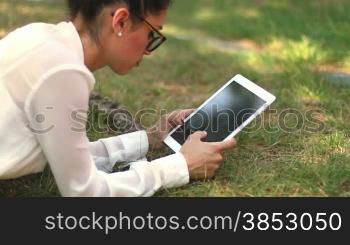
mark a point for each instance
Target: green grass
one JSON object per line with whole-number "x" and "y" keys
{"x": 290, "y": 39}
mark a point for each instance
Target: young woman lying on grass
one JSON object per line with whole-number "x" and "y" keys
{"x": 46, "y": 78}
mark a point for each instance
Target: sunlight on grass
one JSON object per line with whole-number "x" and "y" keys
{"x": 205, "y": 14}
{"x": 208, "y": 46}
{"x": 347, "y": 62}
{"x": 307, "y": 95}
{"x": 182, "y": 33}
{"x": 303, "y": 51}
{"x": 324, "y": 146}
{"x": 248, "y": 13}
{"x": 254, "y": 61}
{"x": 338, "y": 142}
{"x": 275, "y": 45}
{"x": 4, "y": 6}
{"x": 261, "y": 63}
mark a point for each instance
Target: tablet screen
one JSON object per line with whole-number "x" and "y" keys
{"x": 222, "y": 115}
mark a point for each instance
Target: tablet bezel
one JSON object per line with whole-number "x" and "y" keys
{"x": 244, "y": 82}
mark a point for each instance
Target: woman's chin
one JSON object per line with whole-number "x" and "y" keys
{"x": 122, "y": 72}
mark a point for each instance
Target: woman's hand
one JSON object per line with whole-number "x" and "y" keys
{"x": 157, "y": 133}
{"x": 204, "y": 158}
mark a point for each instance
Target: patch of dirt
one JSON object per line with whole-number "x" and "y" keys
{"x": 249, "y": 44}
{"x": 333, "y": 68}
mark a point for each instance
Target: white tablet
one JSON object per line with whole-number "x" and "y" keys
{"x": 224, "y": 114}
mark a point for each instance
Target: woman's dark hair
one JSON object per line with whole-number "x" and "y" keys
{"x": 90, "y": 9}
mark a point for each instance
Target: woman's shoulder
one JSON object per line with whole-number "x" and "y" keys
{"x": 47, "y": 49}
{"x": 43, "y": 43}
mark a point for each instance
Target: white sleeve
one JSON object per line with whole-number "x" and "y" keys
{"x": 62, "y": 137}
{"x": 127, "y": 147}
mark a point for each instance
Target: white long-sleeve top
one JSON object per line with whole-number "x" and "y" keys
{"x": 44, "y": 85}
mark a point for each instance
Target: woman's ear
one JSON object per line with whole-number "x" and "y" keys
{"x": 121, "y": 21}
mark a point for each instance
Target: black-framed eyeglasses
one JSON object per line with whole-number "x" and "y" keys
{"x": 156, "y": 38}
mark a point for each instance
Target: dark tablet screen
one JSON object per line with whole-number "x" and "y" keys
{"x": 222, "y": 115}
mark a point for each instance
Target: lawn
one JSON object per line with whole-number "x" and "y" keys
{"x": 300, "y": 147}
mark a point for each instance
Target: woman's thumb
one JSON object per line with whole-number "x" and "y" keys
{"x": 199, "y": 135}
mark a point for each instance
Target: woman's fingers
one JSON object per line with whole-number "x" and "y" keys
{"x": 187, "y": 112}
{"x": 177, "y": 117}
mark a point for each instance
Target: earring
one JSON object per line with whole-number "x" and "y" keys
{"x": 120, "y": 34}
